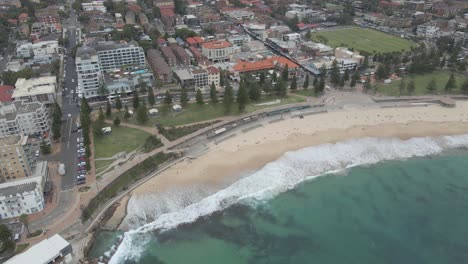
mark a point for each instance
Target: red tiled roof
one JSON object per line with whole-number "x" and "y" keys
{"x": 6, "y": 91}
{"x": 191, "y": 41}
{"x": 23, "y": 16}
{"x": 216, "y": 45}
{"x": 245, "y": 66}
{"x": 212, "y": 70}
{"x": 199, "y": 40}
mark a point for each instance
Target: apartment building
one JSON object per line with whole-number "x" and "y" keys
{"x": 94, "y": 5}
{"x": 169, "y": 56}
{"x": 23, "y": 118}
{"x": 217, "y": 51}
{"x": 40, "y": 89}
{"x": 159, "y": 66}
{"x": 192, "y": 77}
{"x": 24, "y": 196}
{"x": 120, "y": 56}
{"x": 89, "y": 72}
{"x": 14, "y": 163}
{"x": 213, "y": 76}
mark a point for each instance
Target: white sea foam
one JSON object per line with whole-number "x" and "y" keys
{"x": 286, "y": 172}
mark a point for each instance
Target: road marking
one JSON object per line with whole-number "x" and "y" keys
{"x": 69, "y": 132}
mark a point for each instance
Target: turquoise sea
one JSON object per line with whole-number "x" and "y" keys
{"x": 396, "y": 211}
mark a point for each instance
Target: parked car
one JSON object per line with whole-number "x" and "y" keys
{"x": 81, "y": 181}
{"x": 77, "y": 140}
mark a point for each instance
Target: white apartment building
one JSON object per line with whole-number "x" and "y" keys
{"x": 40, "y": 89}
{"x": 24, "y": 196}
{"x": 88, "y": 71}
{"x": 23, "y": 118}
{"x": 217, "y": 51}
{"x": 427, "y": 31}
{"x": 94, "y": 5}
{"x": 41, "y": 52}
{"x": 120, "y": 56}
{"x": 213, "y": 76}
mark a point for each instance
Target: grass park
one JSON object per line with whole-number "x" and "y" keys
{"x": 121, "y": 139}
{"x": 363, "y": 39}
{"x": 197, "y": 113}
{"x": 420, "y": 82}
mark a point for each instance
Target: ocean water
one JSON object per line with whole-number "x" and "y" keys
{"x": 379, "y": 201}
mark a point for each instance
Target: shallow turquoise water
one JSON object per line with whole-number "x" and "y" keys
{"x": 413, "y": 211}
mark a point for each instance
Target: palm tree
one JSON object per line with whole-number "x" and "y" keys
{"x": 25, "y": 220}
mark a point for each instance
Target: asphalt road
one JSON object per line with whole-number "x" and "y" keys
{"x": 68, "y": 154}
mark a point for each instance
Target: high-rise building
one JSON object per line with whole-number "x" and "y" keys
{"x": 89, "y": 72}
{"x": 120, "y": 56}
{"x": 22, "y": 118}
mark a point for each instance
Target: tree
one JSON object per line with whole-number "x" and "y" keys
{"x": 108, "y": 109}
{"x": 99, "y": 123}
{"x": 262, "y": 78}
{"x": 199, "y": 97}
{"x": 168, "y": 98}
{"x": 411, "y": 87}
{"x": 24, "y": 218}
{"x": 367, "y": 85}
{"x": 151, "y": 99}
{"x": 308, "y": 34}
{"x": 464, "y": 87}
{"x": 56, "y": 121}
{"x": 143, "y": 86}
{"x": 346, "y": 75}
{"x": 126, "y": 113}
{"x": 213, "y": 96}
{"x": 431, "y": 86}
{"x": 285, "y": 73}
{"x": 118, "y": 103}
{"x": 321, "y": 85}
{"x": 306, "y": 82}
{"x": 365, "y": 64}
{"x": 341, "y": 83}
{"x": 45, "y": 148}
{"x": 102, "y": 90}
{"x": 242, "y": 96}
{"x": 142, "y": 114}
{"x": 443, "y": 62}
{"x": 184, "y": 97}
{"x": 116, "y": 121}
{"x": 135, "y": 100}
{"x": 335, "y": 73}
{"x": 255, "y": 92}
{"x": 401, "y": 87}
{"x": 293, "y": 85}
{"x": 315, "y": 82}
{"x": 6, "y": 243}
{"x": 228, "y": 98}
{"x": 380, "y": 73}
{"x": 282, "y": 88}
{"x": 451, "y": 84}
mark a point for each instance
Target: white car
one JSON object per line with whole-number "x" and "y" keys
{"x": 37, "y": 153}
{"x": 77, "y": 140}
{"x": 73, "y": 80}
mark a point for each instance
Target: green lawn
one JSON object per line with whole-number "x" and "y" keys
{"x": 196, "y": 113}
{"x": 121, "y": 139}
{"x": 421, "y": 81}
{"x": 102, "y": 164}
{"x": 363, "y": 39}
{"x": 308, "y": 92}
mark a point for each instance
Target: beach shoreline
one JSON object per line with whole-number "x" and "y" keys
{"x": 225, "y": 163}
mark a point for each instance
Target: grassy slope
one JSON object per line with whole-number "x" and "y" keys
{"x": 364, "y": 39}
{"x": 421, "y": 82}
{"x": 121, "y": 139}
{"x": 196, "y": 113}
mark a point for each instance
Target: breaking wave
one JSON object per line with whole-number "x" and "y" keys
{"x": 283, "y": 174}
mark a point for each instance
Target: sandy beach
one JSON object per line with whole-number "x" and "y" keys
{"x": 226, "y": 162}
